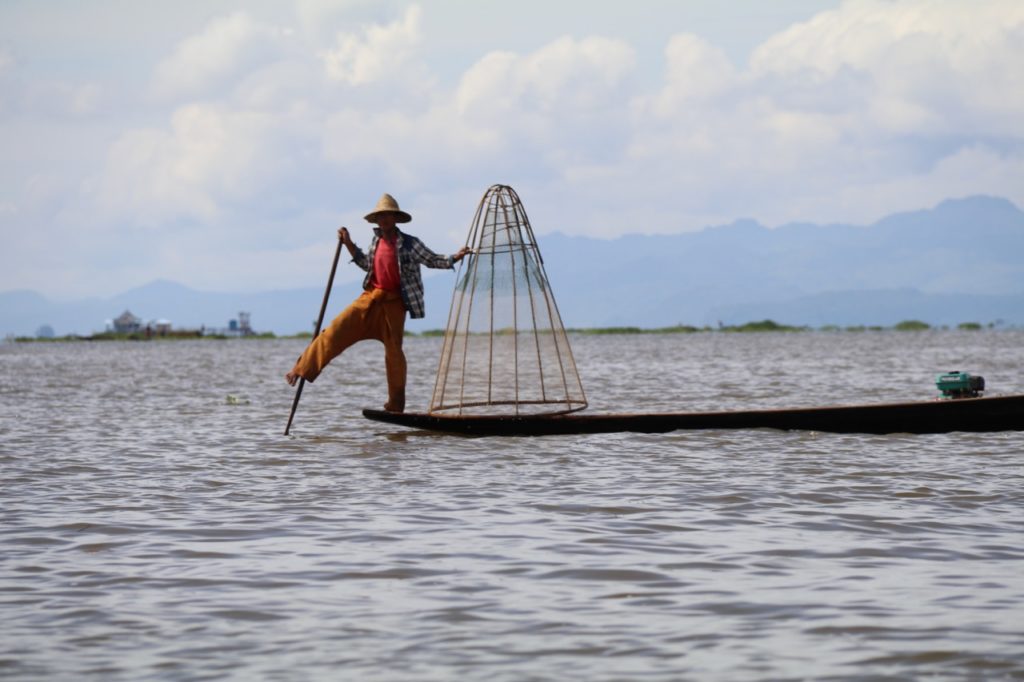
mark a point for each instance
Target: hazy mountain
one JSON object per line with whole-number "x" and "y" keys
{"x": 971, "y": 246}
{"x": 961, "y": 261}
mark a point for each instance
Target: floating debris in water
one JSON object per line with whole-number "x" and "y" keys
{"x": 236, "y": 400}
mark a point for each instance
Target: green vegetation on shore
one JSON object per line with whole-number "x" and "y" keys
{"x": 912, "y": 326}
{"x": 763, "y": 326}
{"x": 675, "y": 329}
{"x": 749, "y": 327}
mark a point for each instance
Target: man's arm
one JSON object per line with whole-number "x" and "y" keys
{"x": 432, "y": 260}
{"x": 358, "y": 257}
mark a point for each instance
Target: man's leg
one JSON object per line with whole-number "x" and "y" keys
{"x": 346, "y": 329}
{"x": 394, "y": 357}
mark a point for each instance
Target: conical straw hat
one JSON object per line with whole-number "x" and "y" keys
{"x": 387, "y": 204}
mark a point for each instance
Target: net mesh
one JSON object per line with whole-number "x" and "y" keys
{"x": 505, "y": 349}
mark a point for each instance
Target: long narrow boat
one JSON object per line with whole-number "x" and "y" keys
{"x": 1001, "y": 413}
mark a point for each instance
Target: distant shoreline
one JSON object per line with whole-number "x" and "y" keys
{"x": 747, "y": 328}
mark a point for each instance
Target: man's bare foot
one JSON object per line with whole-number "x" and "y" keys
{"x": 394, "y": 407}
{"x": 291, "y": 378}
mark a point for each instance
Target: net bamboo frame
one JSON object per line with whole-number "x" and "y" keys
{"x": 505, "y": 348}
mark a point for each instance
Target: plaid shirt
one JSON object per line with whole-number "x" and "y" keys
{"x": 411, "y": 254}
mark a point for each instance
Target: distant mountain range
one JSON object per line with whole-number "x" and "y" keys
{"x": 962, "y": 261}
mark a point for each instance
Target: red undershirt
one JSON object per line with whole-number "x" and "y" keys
{"x": 385, "y": 265}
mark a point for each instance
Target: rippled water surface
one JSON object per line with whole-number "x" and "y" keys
{"x": 153, "y": 528}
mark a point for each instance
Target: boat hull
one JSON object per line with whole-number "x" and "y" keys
{"x": 1003, "y": 413}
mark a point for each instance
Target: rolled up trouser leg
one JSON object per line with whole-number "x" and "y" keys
{"x": 393, "y": 332}
{"x": 353, "y": 324}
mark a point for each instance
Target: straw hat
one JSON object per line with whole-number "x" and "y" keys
{"x": 387, "y": 204}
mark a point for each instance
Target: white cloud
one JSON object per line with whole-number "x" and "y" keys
{"x": 840, "y": 106}
{"x": 210, "y": 157}
{"x": 322, "y": 19}
{"x": 561, "y": 79}
{"x": 226, "y": 46}
{"x": 833, "y": 111}
{"x": 933, "y": 67}
{"x": 392, "y": 140}
{"x": 378, "y": 52}
{"x": 873, "y": 34}
{"x": 865, "y": 109}
{"x": 58, "y": 98}
{"x": 45, "y": 97}
{"x": 975, "y": 169}
{"x": 695, "y": 73}
{"x": 508, "y": 112}
{"x": 420, "y": 152}
{"x": 565, "y": 103}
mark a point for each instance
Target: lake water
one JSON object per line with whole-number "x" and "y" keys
{"x": 154, "y": 529}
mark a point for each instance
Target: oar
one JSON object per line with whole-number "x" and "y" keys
{"x": 319, "y": 322}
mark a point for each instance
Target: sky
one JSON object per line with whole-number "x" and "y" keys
{"x": 220, "y": 143}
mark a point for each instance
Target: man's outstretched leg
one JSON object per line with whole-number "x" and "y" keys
{"x": 346, "y": 329}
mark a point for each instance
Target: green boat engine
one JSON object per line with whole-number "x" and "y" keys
{"x": 957, "y": 384}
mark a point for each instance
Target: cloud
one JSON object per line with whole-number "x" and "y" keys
{"x": 210, "y": 158}
{"x": 62, "y": 98}
{"x": 251, "y": 141}
{"x": 562, "y": 103}
{"x": 44, "y": 97}
{"x": 695, "y": 73}
{"x": 227, "y": 46}
{"x": 868, "y": 96}
{"x": 932, "y": 67}
{"x": 833, "y": 110}
{"x": 508, "y": 113}
{"x": 560, "y": 80}
{"x": 974, "y": 169}
{"x": 376, "y": 53}
{"x": 865, "y": 109}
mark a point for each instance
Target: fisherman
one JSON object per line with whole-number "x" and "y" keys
{"x": 391, "y": 287}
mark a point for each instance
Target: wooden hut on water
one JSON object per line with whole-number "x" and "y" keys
{"x": 126, "y": 323}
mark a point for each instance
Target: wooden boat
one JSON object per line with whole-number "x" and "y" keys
{"x": 1001, "y": 413}
{"x": 505, "y": 349}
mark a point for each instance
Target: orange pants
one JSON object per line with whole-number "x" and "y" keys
{"x": 376, "y": 314}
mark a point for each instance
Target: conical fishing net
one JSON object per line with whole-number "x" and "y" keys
{"x": 505, "y": 350}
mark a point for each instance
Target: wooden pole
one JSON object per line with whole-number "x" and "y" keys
{"x": 319, "y": 325}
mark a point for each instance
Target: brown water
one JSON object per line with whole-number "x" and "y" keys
{"x": 153, "y": 530}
